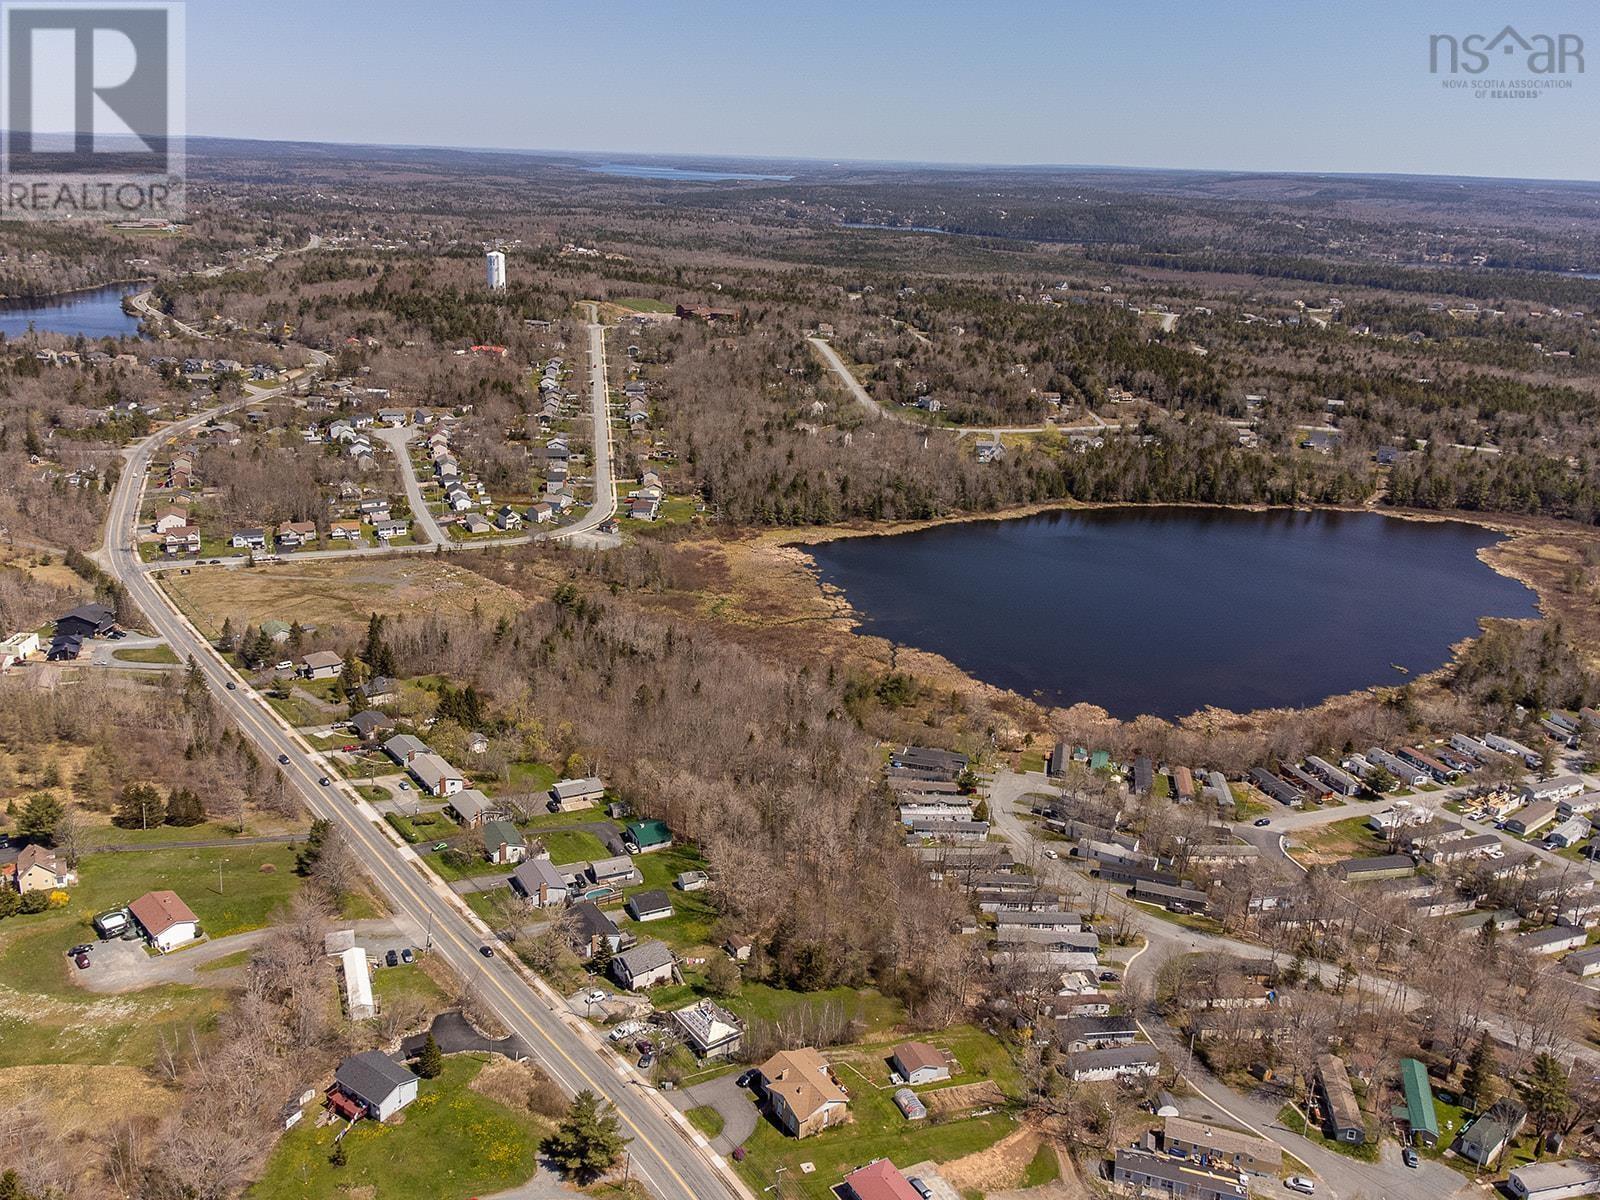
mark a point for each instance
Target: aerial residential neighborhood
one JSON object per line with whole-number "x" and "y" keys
{"x": 752, "y": 631}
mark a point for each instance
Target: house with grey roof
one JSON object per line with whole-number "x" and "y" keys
{"x": 646, "y": 965}
{"x": 375, "y": 1083}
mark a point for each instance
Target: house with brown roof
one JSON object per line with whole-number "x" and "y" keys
{"x": 1341, "y": 1115}
{"x": 803, "y": 1096}
{"x": 166, "y": 920}
{"x": 38, "y": 869}
{"x": 918, "y": 1062}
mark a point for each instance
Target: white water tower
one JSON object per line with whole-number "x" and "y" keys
{"x": 494, "y": 270}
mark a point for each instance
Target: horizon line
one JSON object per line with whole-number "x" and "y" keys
{"x": 927, "y": 165}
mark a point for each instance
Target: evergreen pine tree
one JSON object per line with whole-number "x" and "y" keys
{"x": 1478, "y": 1079}
{"x": 430, "y": 1062}
{"x": 588, "y": 1140}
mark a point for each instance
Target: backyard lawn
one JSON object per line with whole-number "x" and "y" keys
{"x": 453, "y": 1144}
{"x": 573, "y": 845}
{"x": 877, "y": 1130}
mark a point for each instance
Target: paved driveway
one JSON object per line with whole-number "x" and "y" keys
{"x": 455, "y": 1035}
{"x": 735, "y": 1105}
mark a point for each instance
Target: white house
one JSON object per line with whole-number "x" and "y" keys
{"x": 375, "y": 1083}
{"x": 165, "y": 919}
{"x": 644, "y": 966}
{"x": 436, "y": 776}
{"x": 322, "y": 664}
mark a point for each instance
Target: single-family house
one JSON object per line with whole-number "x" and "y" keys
{"x": 1562, "y": 787}
{"x": 41, "y": 869}
{"x": 388, "y": 528}
{"x": 472, "y": 808}
{"x": 1553, "y": 940}
{"x": 248, "y": 539}
{"x": 802, "y": 1093}
{"x": 646, "y": 965}
{"x": 878, "y": 1180}
{"x": 169, "y": 518}
{"x": 590, "y": 928}
{"x": 369, "y": 723}
{"x": 1421, "y": 1119}
{"x": 1532, "y": 818}
{"x": 617, "y": 872}
{"x": 641, "y": 837}
{"x": 570, "y": 795}
{"x": 1555, "y": 1180}
{"x": 918, "y": 1062}
{"x": 437, "y": 777}
{"x": 653, "y": 905}
{"x": 1112, "y": 1062}
{"x": 321, "y": 664}
{"x": 709, "y": 1030}
{"x": 403, "y": 747}
{"x": 540, "y": 882}
{"x": 1486, "y": 1138}
{"x": 1074, "y": 1035}
{"x": 373, "y": 1084}
{"x": 1341, "y": 1115}
{"x": 86, "y": 621}
{"x": 165, "y": 919}
{"x": 503, "y": 842}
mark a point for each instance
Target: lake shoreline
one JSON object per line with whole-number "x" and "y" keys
{"x": 27, "y": 300}
{"x": 1518, "y": 537}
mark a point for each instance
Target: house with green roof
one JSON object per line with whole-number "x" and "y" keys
{"x": 1419, "y": 1112}
{"x": 503, "y": 842}
{"x": 641, "y": 837}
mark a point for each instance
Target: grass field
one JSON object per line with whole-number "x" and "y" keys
{"x": 1349, "y": 838}
{"x": 146, "y": 654}
{"x": 330, "y": 592}
{"x": 692, "y": 917}
{"x": 1293, "y": 1120}
{"x": 45, "y": 1018}
{"x": 706, "y": 1119}
{"x": 1043, "y": 1168}
{"x": 573, "y": 845}
{"x": 453, "y": 1144}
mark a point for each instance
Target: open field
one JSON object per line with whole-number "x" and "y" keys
{"x": 327, "y": 593}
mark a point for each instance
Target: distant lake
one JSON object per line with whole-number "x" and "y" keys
{"x": 94, "y": 314}
{"x": 1168, "y": 610}
{"x": 641, "y": 171}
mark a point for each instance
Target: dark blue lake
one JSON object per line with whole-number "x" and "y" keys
{"x": 1168, "y": 610}
{"x": 93, "y": 314}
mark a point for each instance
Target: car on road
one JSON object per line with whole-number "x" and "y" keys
{"x": 1262, "y": 822}
{"x": 325, "y": 781}
{"x": 1299, "y": 1183}
{"x": 920, "y": 1188}
{"x": 283, "y": 758}
{"x": 232, "y": 686}
{"x": 440, "y": 847}
{"x": 486, "y": 951}
{"x": 83, "y": 962}
{"x": 1409, "y": 1157}
{"x": 391, "y": 959}
{"x": 80, "y": 948}
{"x": 407, "y": 957}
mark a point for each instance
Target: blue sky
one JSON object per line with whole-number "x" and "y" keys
{"x": 1286, "y": 85}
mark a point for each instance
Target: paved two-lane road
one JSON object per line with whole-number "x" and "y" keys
{"x": 671, "y": 1160}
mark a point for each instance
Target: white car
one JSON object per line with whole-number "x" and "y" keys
{"x": 594, "y": 996}
{"x": 1299, "y": 1183}
{"x": 625, "y": 1031}
{"x": 1052, "y": 854}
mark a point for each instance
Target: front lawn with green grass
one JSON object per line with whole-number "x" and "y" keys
{"x": 453, "y": 1144}
{"x": 146, "y": 654}
{"x": 706, "y": 1119}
